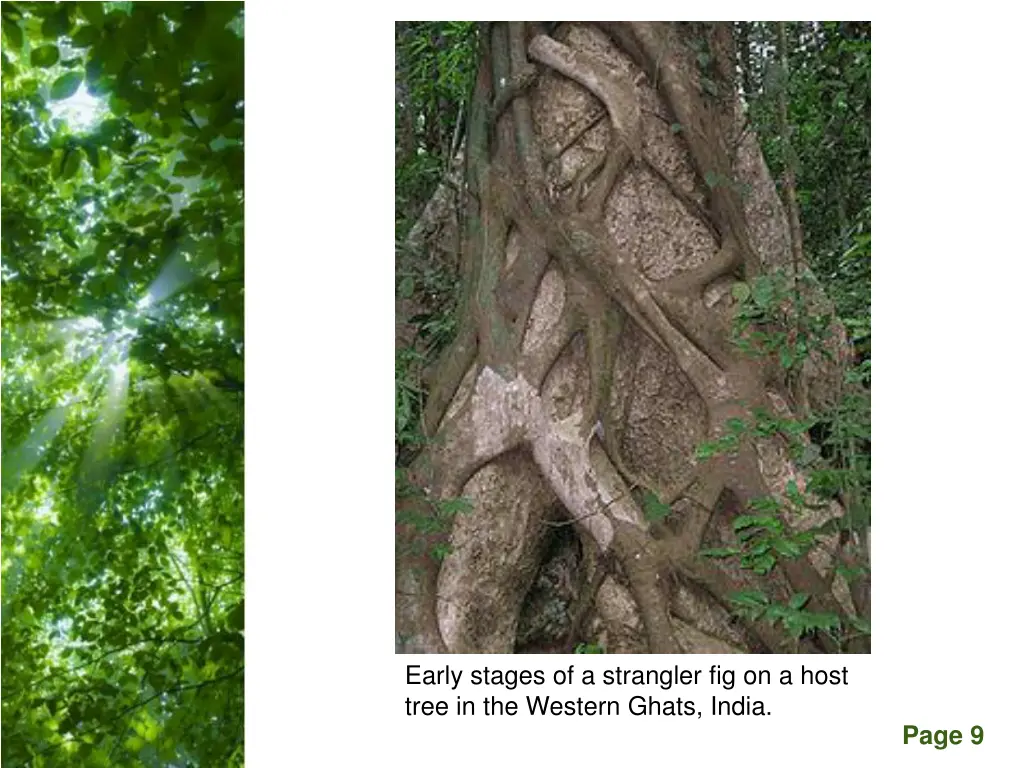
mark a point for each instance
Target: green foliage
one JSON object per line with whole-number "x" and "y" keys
{"x": 45, "y": 56}
{"x": 828, "y": 90}
{"x": 844, "y": 467}
{"x": 122, "y": 526}
{"x": 408, "y": 397}
{"x": 763, "y": 424}
{"x": 435, "y": 62}
{"x": 727, "y": 443}
{"x": 765, "y": 539}
{"x": 850, "y": 280}
{"x": 66, "y": 85}
{"x": 772, "y": 319}
{"x": 435, "y": 285}
{"x": 655, "y": 510}
{"x": 426, "y": 517}
{"x": 588, "y": 648}
{"x": 434, "y": 67}
{"x": 795, "y": 619}
{"x": 838, "y": 466}
{"x": 763, "y": 536}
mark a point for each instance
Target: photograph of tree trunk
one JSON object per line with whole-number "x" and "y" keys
{"x": 632, "y": 337}
{"x": 123, "y": 381}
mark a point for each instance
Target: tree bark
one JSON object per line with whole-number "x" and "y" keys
{"x": 612, "y": 203}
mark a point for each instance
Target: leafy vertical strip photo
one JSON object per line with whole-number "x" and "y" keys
{"x": 632, "y": 337}
{"x": 123, "y": 384}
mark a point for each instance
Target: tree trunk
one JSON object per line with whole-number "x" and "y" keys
{"x": 613, "y": 202}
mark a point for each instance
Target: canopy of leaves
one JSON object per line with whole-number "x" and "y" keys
{"x": 828, "y": 87}
{"x": 434, "y": 67}
{"x": 433, "y": 72}
{"x": 122, "y": 280}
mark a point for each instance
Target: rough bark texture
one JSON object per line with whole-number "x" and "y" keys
{"x": 612, "y": 202}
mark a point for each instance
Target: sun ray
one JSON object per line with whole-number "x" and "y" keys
{"x": 114, "y": 364}
{"x": 176, "y": 273}
{"x": 25, "y": 457}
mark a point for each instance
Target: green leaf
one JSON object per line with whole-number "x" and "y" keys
{"x": 793, "y": 492}
{"x": 120, "y": 106}
{"x": 56, "y": 24}
{"x": 763, "y": 291}
{"x": 759, "y": 549}
{"x": 92, "y": 12}
{"x": 103, "y": 165}
{"x": 12, "y": 31}
{"x": 736, "y": 426}
{"x": 787, "y": 547}
{"x": 440, "y": 551}
{"x": 92, "y": 153}
{"x": 65, "y": 86}
{"x": 706, "y": 450}
{"x": 236, "y": 619}
{"x": 187, "y": 168}
{"x": 798, "y": 623}
{"x": 765, "y": 504}
{"x": 720, "y": 552}
{"x": 740, "y": 292}
{"x": 450, "y": 507}
{"x": 750, "y": 598}
{"x": 85, "y": 37}
{"x": 761, "y": 564}
{"x": 45, "y": 56}
{"x": 109, "y": 129}
{"x": 747, "y": 521}
{"x": 655, "y": 509}
{"x": 72, "y": 162}
{"x": 676, "y": 128}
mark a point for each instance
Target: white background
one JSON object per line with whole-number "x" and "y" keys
{"x": 323, "y": 686}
